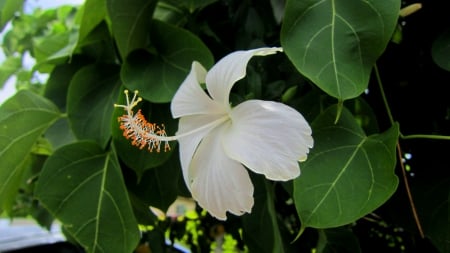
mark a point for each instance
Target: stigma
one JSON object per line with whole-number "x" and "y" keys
{"x": 137, "y": 129}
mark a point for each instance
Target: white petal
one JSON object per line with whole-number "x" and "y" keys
{"x": 269, "y": 138}
{"x": 218, "y": 183}
{"x": 188, "y": 144}
{"x": 222, "y": 76}
{"x": 190, "y": 99}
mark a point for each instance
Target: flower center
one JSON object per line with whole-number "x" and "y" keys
{"x": 143, "y": 133}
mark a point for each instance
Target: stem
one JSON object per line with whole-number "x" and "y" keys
{"x": 400, "y": 155}
{"x": 383, "y": 95}
{"x": 425, "y": 136}
{"x": 408, "y": 192}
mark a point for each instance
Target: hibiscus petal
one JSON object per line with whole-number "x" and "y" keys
{"x": 190, "y": 99}
{"x": 188, "y": 144}
{"x": 268, "y": 138}
{"x": 218, "y": 183}
{"x": 222, "y": 76}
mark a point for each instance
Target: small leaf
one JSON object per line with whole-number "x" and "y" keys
{"x": 347, "y": 174}
{"x": 130, "y": 20}
{"x": 23, "y": 119}
{"x": 8, "y": 68}
{"x": 91, "y": 96}
{"x": 440, "y": 50}
{"x": 82, "y": 186}
{"x": 158, "y": 77}
{"x": 336, "y": 43}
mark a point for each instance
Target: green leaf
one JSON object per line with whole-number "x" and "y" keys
{"x": 157, "y": 187}
{"x": 91, "y": 96}
{"x": 440, "y": 50}
{"x": 158, "y": 77}
{"x": 347, "y": 174}
{"x": 137, "y": 159}
{"x": 94, "y": 12}
{"x": 336, "y": 43}
{"x": 191, "y": 5}
{"x": 7, "y": 10}
{"x": 54, "y": 48}
{"x": 58, "y": 83}
{"x": 340, "y": 239}
{"x": 23, "y": 119}
{"x": 130, "y": 20}
{"x": 82, "y": 186}
{"x": 8, "y": 68}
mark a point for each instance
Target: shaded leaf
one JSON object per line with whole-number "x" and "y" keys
{"x": 89, "y": 197}
{"x": 158, "y": 77}
{"x": 347, "y": 174}
{"x": 261, "y": 232}
{"x": 130, "y": 20}
{"x": 336, "y": 240}
{"x": 91, "y": 96}
{"x": 335, "y": 43}
{"x": 157, "y": 187}
{"x": 94, "y": 12}
{"x": 23, "y": 119}
{"x": 440, "y": 50}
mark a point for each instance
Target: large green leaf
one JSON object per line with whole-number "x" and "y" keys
{"x": 347, "y": 174}
{"x": 158, "y": 77}
{"x": 130, "y": 21}
{"x": 7, "y": 10}
{"x": 91, "y": 96}
{"x": 335, "y": 43}
{"x": 82, "y": 186}
{"x": 23, "y": 119}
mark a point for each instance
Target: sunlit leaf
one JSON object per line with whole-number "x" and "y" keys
{"x": 158, "y": 77}
{"x": 23, "y": 119}
{"x": 130, "y": 21}
{"x": 91, "y": 96}
{"x": 7, "y": 10}
{"x": 89, "y": 197}
{"x": 335, "y": 43}
{"x": 347, "y": 175}
{"x": 8, "y": 67}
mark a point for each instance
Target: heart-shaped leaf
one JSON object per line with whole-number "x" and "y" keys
{"x": 347, "y": 174}
{"x": 130, "y": 20}
{"x": 157, "y": 77}
{"x": 23, "y": 119}
{"x": 82, "y": 186}
{"x": 335, "y": 43}
{"x": 91, "y": 96}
